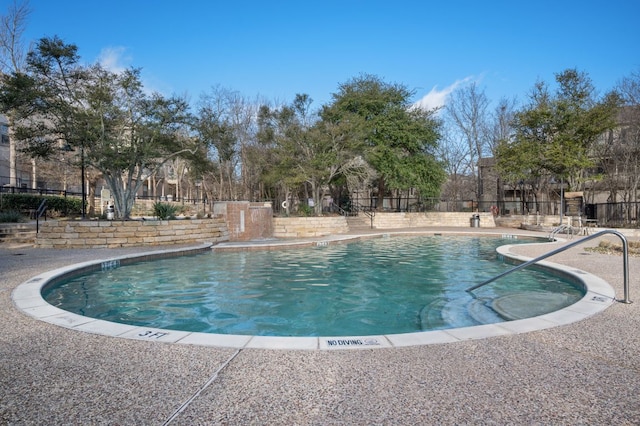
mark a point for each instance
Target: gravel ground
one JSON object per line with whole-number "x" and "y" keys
{"x": 583, "y": 373}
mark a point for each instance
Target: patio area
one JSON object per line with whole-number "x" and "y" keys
{"x": 586, "y": 372}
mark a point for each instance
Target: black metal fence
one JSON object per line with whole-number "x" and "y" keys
{"x": 615, "y": 215}
{"x": 621, "y": 214}
{"x": 38, "y": 191}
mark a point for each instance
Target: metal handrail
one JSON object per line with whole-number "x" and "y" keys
{"x": 334, "y": 206}
{"x": 555, "y": 231}
{"x": 42, "y": 208}
{"x": 366, "y": 210}
{"x": 625, "y": 261}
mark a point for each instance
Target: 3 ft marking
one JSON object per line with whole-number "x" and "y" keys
{"x": 150, "y": 334}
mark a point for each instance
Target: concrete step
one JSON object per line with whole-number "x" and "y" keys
{"x": 17, "y": 235}
{"x": 358, "y": 223}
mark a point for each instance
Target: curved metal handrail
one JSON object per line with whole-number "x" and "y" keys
{"x": 368, "y": 211}
{"x": 625, "y": 261}
{"x": 340, "y": 210}
{"x": 555, "y": 231}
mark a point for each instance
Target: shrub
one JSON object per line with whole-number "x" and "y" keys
{"x": 164, "y": 211}
{"x": 65, "y": 206}
{"x": 305, "y": 210}
{"x": 11, "y": 216}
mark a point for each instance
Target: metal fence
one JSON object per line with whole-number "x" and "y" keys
{"x": 614, "y": 215}
{"x": 39, "y": 191}
{"x": 621, "y": 214}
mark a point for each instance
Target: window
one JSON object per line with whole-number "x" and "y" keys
{"x": 4, "y": 133}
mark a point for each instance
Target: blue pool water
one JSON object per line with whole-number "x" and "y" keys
{"x": 371, "y": 287}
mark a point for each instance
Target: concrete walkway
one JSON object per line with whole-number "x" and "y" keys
{"x": 583, "y": 373}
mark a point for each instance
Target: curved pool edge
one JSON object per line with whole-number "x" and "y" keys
{"x": 27, "y": 297}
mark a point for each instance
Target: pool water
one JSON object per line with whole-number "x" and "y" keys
{"x": 371, "y": 287}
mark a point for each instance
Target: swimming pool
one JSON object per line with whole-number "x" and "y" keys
{"x": 377, "y": 286}
{"x": 27, "y": 297}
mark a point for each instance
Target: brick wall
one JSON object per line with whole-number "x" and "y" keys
{"x": 132, "y": 233}
{"x": 246, "y": 221}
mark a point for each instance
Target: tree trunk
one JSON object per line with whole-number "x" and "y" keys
{"x": 381, "y": 189}
{"x": 13, "y": 160}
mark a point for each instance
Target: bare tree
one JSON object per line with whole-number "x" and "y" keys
{"x": 12, "y": 60}
{"x": 502, "y": 132}
{"x": 502, "y": 118}
{"x": 454, "y": 154}
{"x": 619, "y": 149}
{"x": 12, "y": 47}
{"x": 225, "y": 122}
{"x": 467, "y": 111}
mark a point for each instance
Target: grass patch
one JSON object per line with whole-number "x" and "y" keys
{"x": 608, "y": 247}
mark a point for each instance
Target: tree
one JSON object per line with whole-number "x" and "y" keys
{"x": 398, "y": 141}
{"x": 554, "y": 133}
{"x": 115, "y": 125}
{"x": 12, "y": 61}
{"x": 629, "y": 140}
{"x": 130, "y": 134}
{"x": 216, "y": 129}
{"x": 467, "y": 109}
{"x": 619, "y": 149}
{"x": 502, "y": 132}
{"x": 460, "y": 182}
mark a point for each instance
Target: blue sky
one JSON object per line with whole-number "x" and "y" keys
{"x": 276, "y": 49}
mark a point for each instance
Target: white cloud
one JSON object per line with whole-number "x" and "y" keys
{"x": 117, "y": 60}
{"x": 114, "y": 59}
{"x": 438, "y": 98}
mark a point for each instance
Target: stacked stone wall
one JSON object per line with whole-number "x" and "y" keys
{"x": 430, "y": 219}
{"x": 132, "y": 233}
{"x": 301, "y": 227}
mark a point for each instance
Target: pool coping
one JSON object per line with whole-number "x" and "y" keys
{"x": 27, "y": 297}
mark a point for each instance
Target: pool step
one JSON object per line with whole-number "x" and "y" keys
{"x": 529, "y": 304}
{"x": 430, "y": 316}
{"x": 443, "y": 313}
{"x": 482, "y": 312}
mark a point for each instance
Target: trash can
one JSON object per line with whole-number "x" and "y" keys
{"x": 111, "y": 212}
{"x": 475, "y": 221}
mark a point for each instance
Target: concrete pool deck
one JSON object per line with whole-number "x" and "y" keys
{"x": 586, "y": 372}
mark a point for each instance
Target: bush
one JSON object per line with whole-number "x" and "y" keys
{"x": 305, "y": 210}
{"x": 164, "y": 211}
{"x": 11, "y": 216}
{"x": 65, "y": 206}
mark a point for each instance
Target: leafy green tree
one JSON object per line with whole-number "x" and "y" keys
{"x": 555, "y": 132}
{"x": 130, "y": 134}
{"x": 310, "y": 153}
{"x": 397, "y": 140}
{"x": 284, "y": 132}
{"x": 118, "y": 128}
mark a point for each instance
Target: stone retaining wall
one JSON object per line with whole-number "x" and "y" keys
{"x": 131, "y": 233}
{"x": 301, "y": 227}
{"x": 429, "y": 219}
